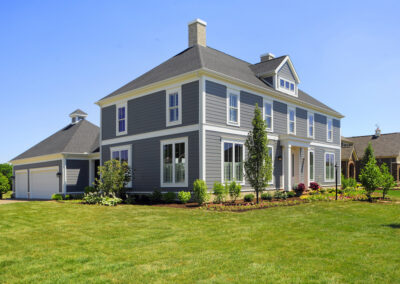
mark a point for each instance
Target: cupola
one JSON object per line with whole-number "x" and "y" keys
{"x": 77, "y": 116}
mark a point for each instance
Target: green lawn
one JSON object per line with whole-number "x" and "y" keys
{"x": 324, "y": 242}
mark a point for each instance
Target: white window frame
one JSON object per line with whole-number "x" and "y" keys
{"x": 288, "y": 120}
{"x": 284, "y": 89}
{"x": 236, "y": 93}
{"x": 309, "y": 167}
{"x": 122, "y": 148}
{"x": 272, "y": 181}
{"x": 327, "y": 129}
{"x": 308, "y": 125}
{"x": 167, "y": 108}
{"x": 271, "y": 127}
{"x": 117, "y": 107}
{"x": 223, "y": 141}
{"x": 173, "y": 142}
{"x": 334, "y": 161}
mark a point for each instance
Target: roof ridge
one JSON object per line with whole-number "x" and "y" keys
{"x": 280, "y": 57}
{"x": 373, "y": 135}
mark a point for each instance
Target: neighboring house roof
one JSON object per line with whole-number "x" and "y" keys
{"x": 347, "y": 153}
{"x": 197, "y": 56}
{"x": 385, "y": 145}
{"x": 81, "y": 137}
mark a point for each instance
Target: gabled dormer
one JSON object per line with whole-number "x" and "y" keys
{"x": 278, "y": 73}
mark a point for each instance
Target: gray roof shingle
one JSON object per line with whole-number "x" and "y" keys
{"x": 79, "y": 112}
{"x": 197, "y": 56}
{"x": 81, "y": 137}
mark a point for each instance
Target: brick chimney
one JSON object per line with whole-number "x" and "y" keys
{"x": 197, "y": 32}
{"x": 266, "y": 57}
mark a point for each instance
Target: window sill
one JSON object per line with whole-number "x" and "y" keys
{"x": 174, "y": 184}
{"x": 233, "y": 124}
{"x": 121, "y": 133}
{"x": 175, "y": 123}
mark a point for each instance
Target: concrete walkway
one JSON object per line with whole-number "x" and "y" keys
{"x": 8, "y": 201}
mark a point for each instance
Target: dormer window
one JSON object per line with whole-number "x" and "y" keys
{"x": 287, "y": 86}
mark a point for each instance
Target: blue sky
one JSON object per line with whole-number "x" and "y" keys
{"x": 57, "y": 56}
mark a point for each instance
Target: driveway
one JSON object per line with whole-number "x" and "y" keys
{"x": 7, "y": 201}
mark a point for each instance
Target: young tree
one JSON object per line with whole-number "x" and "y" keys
{"x": 7, "y": 171}
{"x": 387, "y": 180}
{"x": 368, "y": 154}
{"x": 370, "y": 177}
{"x": 4, "y": 185}
{"x": 114, "y": 176}
{"x": 258, "y": 165}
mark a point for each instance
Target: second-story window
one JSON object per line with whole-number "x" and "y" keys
{"x": 311, "y": 125}
{"x": 174, "y": 109}
{"x": 233, "y": 108}
{"x": 292, "y": 121}
{"x": 121, "y": 119}
{"x": 268, "y": 114}
{"x": 330, "y": 130}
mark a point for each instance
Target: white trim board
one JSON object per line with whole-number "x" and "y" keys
{"x": 153, "y": 134}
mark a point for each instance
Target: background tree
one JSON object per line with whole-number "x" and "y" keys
{"x": 387, "y": 180}
{"x": 7, "y": 171}
{"x": 258, "y": 164}
{"x": 4, "y": 185}
{"x": 370, "y": 177}
{"x": 368, "y": 154}
{"x": 114, "y": 176}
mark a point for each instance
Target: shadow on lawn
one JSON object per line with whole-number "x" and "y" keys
{"x": 393, "y": 226}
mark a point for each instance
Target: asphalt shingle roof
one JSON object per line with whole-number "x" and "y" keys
{"x": 81, "y": 137}
{"x": 386, "y": 145}
{"x": 197, "y": 56}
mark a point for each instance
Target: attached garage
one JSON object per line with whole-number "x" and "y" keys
{"x": 21, "y": 184}
{"x": 43, "y": 182}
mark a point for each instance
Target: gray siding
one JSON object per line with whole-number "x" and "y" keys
{"x": 148, "y": 113}
{"x": 214, "y": 158}
{"x": 286, "y": 73}
{"x": 247, "y": 105}
{"x": 215, "y": 103}
{"x": 57, "y": 163}
{"x": 77, "y": 175}
{"x": 280, "y": 117}
{"x": 320, "y": 166}
{"x": 320, "y": 127}
{"x": 301, "y": 122}
{"x": 336, "y": 131}
{"x": 146, "y": 163}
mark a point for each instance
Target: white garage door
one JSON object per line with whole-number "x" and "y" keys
{"x": 43, "y": 182}
{"x": 21, "y": 184}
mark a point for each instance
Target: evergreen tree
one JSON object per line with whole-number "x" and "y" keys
{"x": 258, "y": 165}
{"x": 370, "y": 177}
{"x": 387, "y": 180}
{"x": 368, "y": 154}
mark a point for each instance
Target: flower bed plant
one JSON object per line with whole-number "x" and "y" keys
{"x": 240, "y": 207}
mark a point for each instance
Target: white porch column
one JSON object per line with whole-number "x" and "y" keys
{"x": 287, "y": 156}
{"x": 306, "y": 167}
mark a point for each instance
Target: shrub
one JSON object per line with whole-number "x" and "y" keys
{"x": 314, "y": 185}
{"x": 370, "y": 177}
{"x": 156, "y": 196}
{"x": 114, "y": 176}
{"x": 220, "y": 191}
{"x": 89, "y": 189}
{"x": 110, "y": 200}
{"x": 299, "y": 189}
{"x": 291, "y": 194}
{"x": 280, "y": 195}
{"x": 57, "y": 196}
{"x": 387, "y": 180}
{"x": 348, "y": 182}
{"x": 184, "y": 196}
{"x": 67, "y": 197}
{"x": 92, "y": 198}
{"x": 200, "y": 193}
{"x": 169, "y": 197}
{"x": 4, "y": 185}
{"x": 249, "y": 197}
{"x": 234, "y": 190}
{"x": 130, "y": 199}
{"x": 266, "y": 196}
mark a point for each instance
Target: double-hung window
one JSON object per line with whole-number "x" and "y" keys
{"x": 121, "y": 119}
{"x": 122, "y": 154}
{"x": 311, "y": 161}
{"x": 233, "y": 102}
{"x": 311, "y": 125}
{"x": 329, "y": 130}
{"x": 174, "y": 162}
{"x": 292, "y": 121}
{"x": 268, "y": 115}
{"x": 329, "y": 167}
{"x": 233, "y": 161}
{"x": 174, "y": 107}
